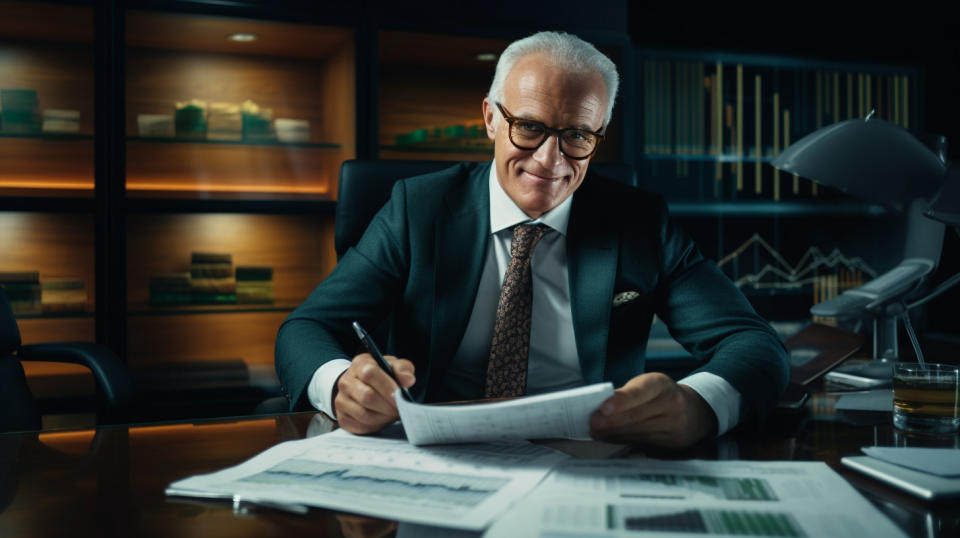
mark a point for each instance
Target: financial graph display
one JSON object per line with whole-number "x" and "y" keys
{"x": 702, "y": 521}
{"x": 414, "y": 486}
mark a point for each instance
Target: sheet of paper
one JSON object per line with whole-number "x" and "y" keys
{"x": 564, "y": 414}
{"x": 692, "y": 498}
{"x": 461, "y": 486}
{"x": 938, "y": 461}
{"x": 871, "y": 400}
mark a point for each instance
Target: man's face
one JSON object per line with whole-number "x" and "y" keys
{"x": 536, "y": 89}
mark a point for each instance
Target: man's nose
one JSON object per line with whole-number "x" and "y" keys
{"x": 548, "y": 154}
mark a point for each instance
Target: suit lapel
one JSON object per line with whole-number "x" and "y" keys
{"x": 462, "y": 232}
{"x": 592, "y": 252}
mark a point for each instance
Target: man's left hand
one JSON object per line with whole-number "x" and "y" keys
{"x": 652, "y": 409}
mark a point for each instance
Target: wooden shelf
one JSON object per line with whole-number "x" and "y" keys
{"x": 56, "y": 315}
{"x": 176, "y": 310}
{"x": 54, "y": 137}
{"x": 488, "y": 151}
{"x": 267, "y": 143}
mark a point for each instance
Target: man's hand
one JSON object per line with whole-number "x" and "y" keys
{"x": 651, "y": 409}
{"x": 364, "y": 401}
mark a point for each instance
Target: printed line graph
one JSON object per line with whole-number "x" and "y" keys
{"x": 417, "y": 486}
{"x": 775, "y": 272}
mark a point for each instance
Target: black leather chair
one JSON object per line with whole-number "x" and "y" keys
{"x": 18, "y": 410}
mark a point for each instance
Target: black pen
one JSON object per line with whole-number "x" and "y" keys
{"x": 377, "y": 356}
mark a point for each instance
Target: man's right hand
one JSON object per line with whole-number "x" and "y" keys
{"x": 364, "y": 401}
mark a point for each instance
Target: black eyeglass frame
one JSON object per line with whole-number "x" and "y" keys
{"x": 510, "y": 119}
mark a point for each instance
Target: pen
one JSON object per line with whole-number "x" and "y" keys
{"x": 377, "y": 356}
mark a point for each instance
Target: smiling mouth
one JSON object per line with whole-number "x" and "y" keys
{"x": 541, "y": 178}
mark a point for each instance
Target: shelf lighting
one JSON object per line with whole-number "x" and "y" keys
{"x": 486, "y": 57}
{"x": 242, "y": 37}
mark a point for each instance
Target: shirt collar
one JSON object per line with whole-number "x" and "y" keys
{"x": 504, "y": 212}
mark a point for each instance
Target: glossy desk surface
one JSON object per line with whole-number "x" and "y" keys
{"x": 110, "y": 481}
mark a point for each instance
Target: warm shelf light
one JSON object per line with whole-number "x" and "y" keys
{"x": 45, "y": 184}
{"x": 242, "y": 37}
{"x": 486, "y": 57}
{"x": 194, "y": 187}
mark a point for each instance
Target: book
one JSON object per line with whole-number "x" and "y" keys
{"x": 257, "y": 122}
{"x": 156, "y": 125}
{"x": 255, "y": 291}
{"x": 224, "y": 122}
{"x": 18, "y": 108}
{"x": 292, "y": 130}
{"x": 190, "y": 119}
{"x": 63, "y": 295}
{"x": 211, "y": 270}
{"x": 171, "y": 289}
{"x": 61, "y": 121}
{"x": 253, "y": 272}
{"x": 213, "y": 286}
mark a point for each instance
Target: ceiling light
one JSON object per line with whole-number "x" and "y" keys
{"x": 242, "y": 37}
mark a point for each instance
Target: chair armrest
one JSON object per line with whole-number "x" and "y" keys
{"x": 116, "y": 386}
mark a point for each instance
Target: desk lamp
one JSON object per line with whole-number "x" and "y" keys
{"x": 880, "y": 162}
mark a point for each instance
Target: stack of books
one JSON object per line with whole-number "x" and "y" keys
{"x": 190, "y": 119}
{"x": 254, "y": 284}
{"x": 224, "y": 122}
{"x": 61, "y": 121}
{"x": 23, "y": 292}
{"x": 292, "y": 130}
{"x": 171, "y": 289}
{"x": 18, "y": 110}
{"x": 211, "y": 278}
{"x": 257, "y": 123}
{"x": 469, "y": 135}
{"x": 64, "y": 295}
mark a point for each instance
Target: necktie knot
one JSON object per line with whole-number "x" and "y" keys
{"x": 525, "y": 238}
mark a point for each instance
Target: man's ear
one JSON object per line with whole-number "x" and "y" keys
{"x": 489, "y": 111}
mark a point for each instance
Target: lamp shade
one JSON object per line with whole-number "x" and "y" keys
{"x": 871, "y": 159}
{"x": 946, "y": 204}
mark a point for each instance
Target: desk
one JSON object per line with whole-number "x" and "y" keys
{"x": 110, "y": 481}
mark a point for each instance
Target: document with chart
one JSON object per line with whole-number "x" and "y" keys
{"x": 462, "y": 486}
{"x": 563, "y": 414}
{"x": 679, "y": 499}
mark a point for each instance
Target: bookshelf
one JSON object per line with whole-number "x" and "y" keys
{"x": 247, "y": 187}
{"x": 712, "y": 122}
{"x": 47, "y": 180}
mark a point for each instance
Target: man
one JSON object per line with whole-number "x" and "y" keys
{"x": 601, "y": 259}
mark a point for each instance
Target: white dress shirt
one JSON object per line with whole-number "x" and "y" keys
{"x": 553, "y": 361}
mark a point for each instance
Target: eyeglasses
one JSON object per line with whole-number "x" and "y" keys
{"x": 574, "y": 143}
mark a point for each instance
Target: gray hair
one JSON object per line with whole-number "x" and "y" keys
{"x": 566, "y": 50}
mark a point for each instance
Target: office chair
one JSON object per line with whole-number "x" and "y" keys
{"x": 18, "y": 410}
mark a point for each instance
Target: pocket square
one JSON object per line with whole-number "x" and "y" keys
{"x": 624, "y": 297}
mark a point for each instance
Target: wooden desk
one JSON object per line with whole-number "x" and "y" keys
{"x": 110, "y": 481}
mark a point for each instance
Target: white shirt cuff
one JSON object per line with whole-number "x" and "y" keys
{"x": 320, "y": 389}
{"x": 719, "y": 395}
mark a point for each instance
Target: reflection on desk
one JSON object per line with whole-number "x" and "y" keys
{"x": 111, "y": 480}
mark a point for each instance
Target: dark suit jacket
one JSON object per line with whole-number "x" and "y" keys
{"x": 421, "y": 257}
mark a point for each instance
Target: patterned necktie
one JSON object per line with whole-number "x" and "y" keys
{"x": 507, "y": 367}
